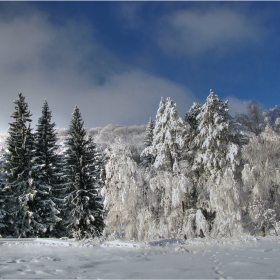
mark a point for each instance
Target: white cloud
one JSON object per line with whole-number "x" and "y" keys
{"x": 236, "y": 106}
{"x": 130, "y": 12}
{"x": 132, "y": 97}
{"x": 65, "y": 65}
{"x": 194, "y": 32}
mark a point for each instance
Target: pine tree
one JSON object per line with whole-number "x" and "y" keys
{"x": 148, "y": 159}
{"x": 168, "y": 137}
{"x": 46, "y": 170}
{"x": 19, "y": 189}
{"x": 82, "y": 212}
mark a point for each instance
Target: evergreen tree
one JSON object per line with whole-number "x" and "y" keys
{"x": 148, "y": 159}
{"x": 19, "y": 190}
{"x": 2, "y": 199}
{"x": 47, "y": 166}
{"x": 82, "y": 212}
{"x": 217, "y": 138}
{"x": 168, "y": 137}
{"x": 2, "y": 213}
{"x": 191, "y": 116}
{"x": 217, "y": 167}
{"x": 191, "y": 119}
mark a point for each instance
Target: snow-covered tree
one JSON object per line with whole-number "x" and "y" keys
{"x": 3, "y": 213}
{"x": 46, "y": 174}
{"x": 122, "y": 192}
{"x": 261, "y": 177}
{"x": 216, "y": 165}
{"x": 19, "y": 187}
{"x": 191, "y": 116}
{"x": 216, "y": 143}
{"x": 191, "y": 119}
{"x": 272, "y": 118}
{"x": 164, "y": 211}
{"x": 168, "y": 137}
{"x": 84, "y": 174}
{"x": 2, "y": 199}
{"x": 253, "y": 120}
{"x": 262, "y": 217}
{"x": 147, "y": 160}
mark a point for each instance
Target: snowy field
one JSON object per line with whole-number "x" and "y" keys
{"x": 242, "y": 258}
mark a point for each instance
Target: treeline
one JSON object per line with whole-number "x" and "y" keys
{"x": 45, "y": 193}
{"x": 210, "y": 174}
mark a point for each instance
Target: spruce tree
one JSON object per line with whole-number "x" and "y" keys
{"x": 147, "y": 160}
{"x": 82, "y": 212}
{"x": 19, "y": 187}
{"x": 47, "y": 176}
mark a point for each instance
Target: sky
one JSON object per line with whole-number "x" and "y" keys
{"x": 115, "y": 60}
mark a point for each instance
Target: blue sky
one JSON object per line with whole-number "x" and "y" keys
{"x": 114, "y": 60}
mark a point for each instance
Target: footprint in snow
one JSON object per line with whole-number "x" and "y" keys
{"x": 54, "y": 260}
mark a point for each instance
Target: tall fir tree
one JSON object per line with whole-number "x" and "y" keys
{"x": 147, "y": 160}
{"x": 47, "y": 175}
{"x": 83, "y": 210}
{"x": 19, "y": 187}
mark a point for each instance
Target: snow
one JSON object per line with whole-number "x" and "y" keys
{"x": 244, "y": 257}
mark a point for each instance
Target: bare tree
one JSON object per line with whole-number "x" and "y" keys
{"x": 252, "y": 121}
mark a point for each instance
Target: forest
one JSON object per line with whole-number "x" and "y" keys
{"x": 207, "y": 175}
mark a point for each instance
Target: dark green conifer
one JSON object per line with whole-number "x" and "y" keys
{"x": 82, "y": 212}
{"x": 147, "y": 160}
{"x": 18, "y": 182}
{"x": 47, "y": 176}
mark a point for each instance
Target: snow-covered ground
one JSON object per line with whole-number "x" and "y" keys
{"x": 247, "y": 257}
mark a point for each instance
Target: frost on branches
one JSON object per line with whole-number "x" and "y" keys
{"x": 216, "y": 166}
{"x": 194, "y": 186}
{"x": 261, "y": 179}
{"x": 123, "y": 192}
{"x": 168, "y": 138}
{"x": 271, "y": 118}
{"x": 145, "y": 205}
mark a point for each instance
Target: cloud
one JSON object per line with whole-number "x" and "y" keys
{"x": 130, "y": 12}
{"x": 194, "y": 32}
{"x": 132, "y": 97}
{"x": 236, "y": 106}
{"x": 64, "y": 64}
